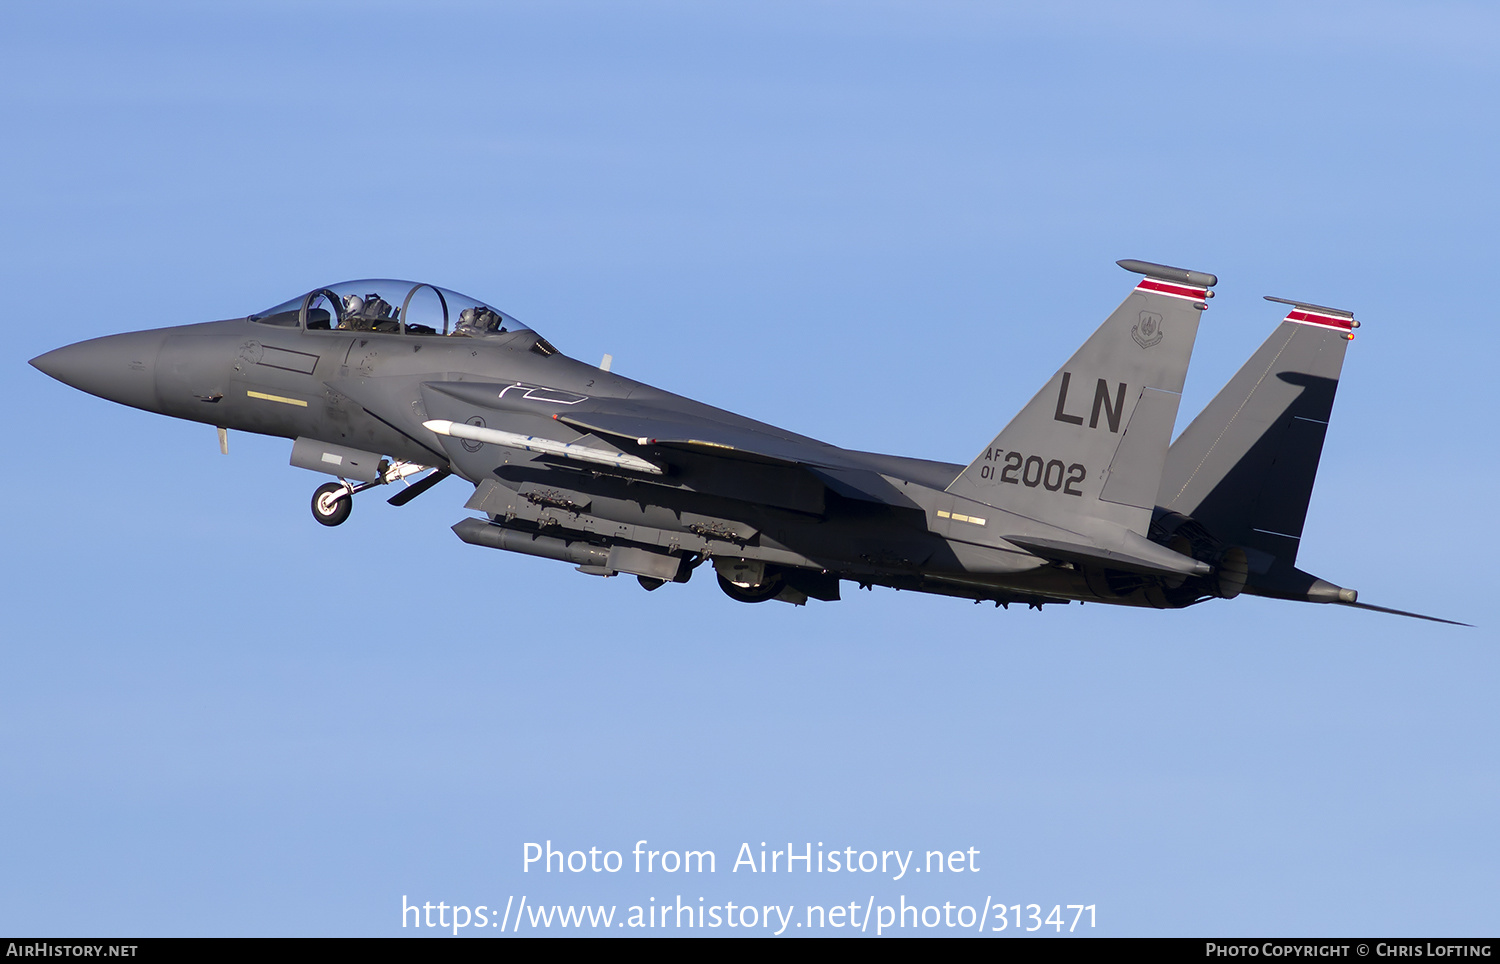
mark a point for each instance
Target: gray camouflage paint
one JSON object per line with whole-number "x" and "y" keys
{"x": 1078, "y": 498}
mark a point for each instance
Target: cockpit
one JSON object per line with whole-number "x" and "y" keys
{"x": 396, "y": 307}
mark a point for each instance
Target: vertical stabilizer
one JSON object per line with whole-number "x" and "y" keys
{"x": 1245, "y": 466}
{"x": 1090, "y": 446}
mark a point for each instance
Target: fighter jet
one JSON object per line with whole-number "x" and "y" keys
{"x": 1083, "y": 496}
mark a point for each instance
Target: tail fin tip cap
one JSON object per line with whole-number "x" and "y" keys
{"x": 1165, "y": 272}
{"x": 1341, "y": 312}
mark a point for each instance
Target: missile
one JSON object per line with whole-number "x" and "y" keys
{"x": 544, "y": 446}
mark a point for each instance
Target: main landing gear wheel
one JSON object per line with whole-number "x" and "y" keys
{"x": 332, "y": 503}
{"x": 750, "y": 594}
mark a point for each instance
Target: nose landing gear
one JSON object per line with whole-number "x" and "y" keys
{"x": 333, "y": 501}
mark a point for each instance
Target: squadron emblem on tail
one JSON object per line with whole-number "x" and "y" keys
{"x": 1147, "y": 332}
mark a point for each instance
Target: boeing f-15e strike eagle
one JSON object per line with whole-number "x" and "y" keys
{"x": 1083, "y": 496}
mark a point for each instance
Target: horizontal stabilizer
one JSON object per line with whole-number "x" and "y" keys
{"x": 1142, "y": 556}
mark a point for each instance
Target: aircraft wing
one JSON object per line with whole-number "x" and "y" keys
{"x": 664, "y": 436}
{"x": 708, "y": 449}
{"x": 698, "y": 436}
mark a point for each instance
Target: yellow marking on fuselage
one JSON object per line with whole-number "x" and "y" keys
{"x": 278, "y": 398}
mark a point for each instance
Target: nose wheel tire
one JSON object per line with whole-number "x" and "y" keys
{"x": 332, "y": 503}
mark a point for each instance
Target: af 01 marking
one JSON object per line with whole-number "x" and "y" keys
{"x": 1050, "y": 474}
{"x": 1112, "y": 412}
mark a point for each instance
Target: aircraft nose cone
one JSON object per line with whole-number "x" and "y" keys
{"x": 121, "y": 368}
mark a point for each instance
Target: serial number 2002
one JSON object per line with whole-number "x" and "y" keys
{"x": 1032, "y": 471}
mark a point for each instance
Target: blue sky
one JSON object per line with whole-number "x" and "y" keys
{"x": 883, "y": 225}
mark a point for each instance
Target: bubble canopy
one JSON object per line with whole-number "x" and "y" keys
{"x": 387, "y": 305}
